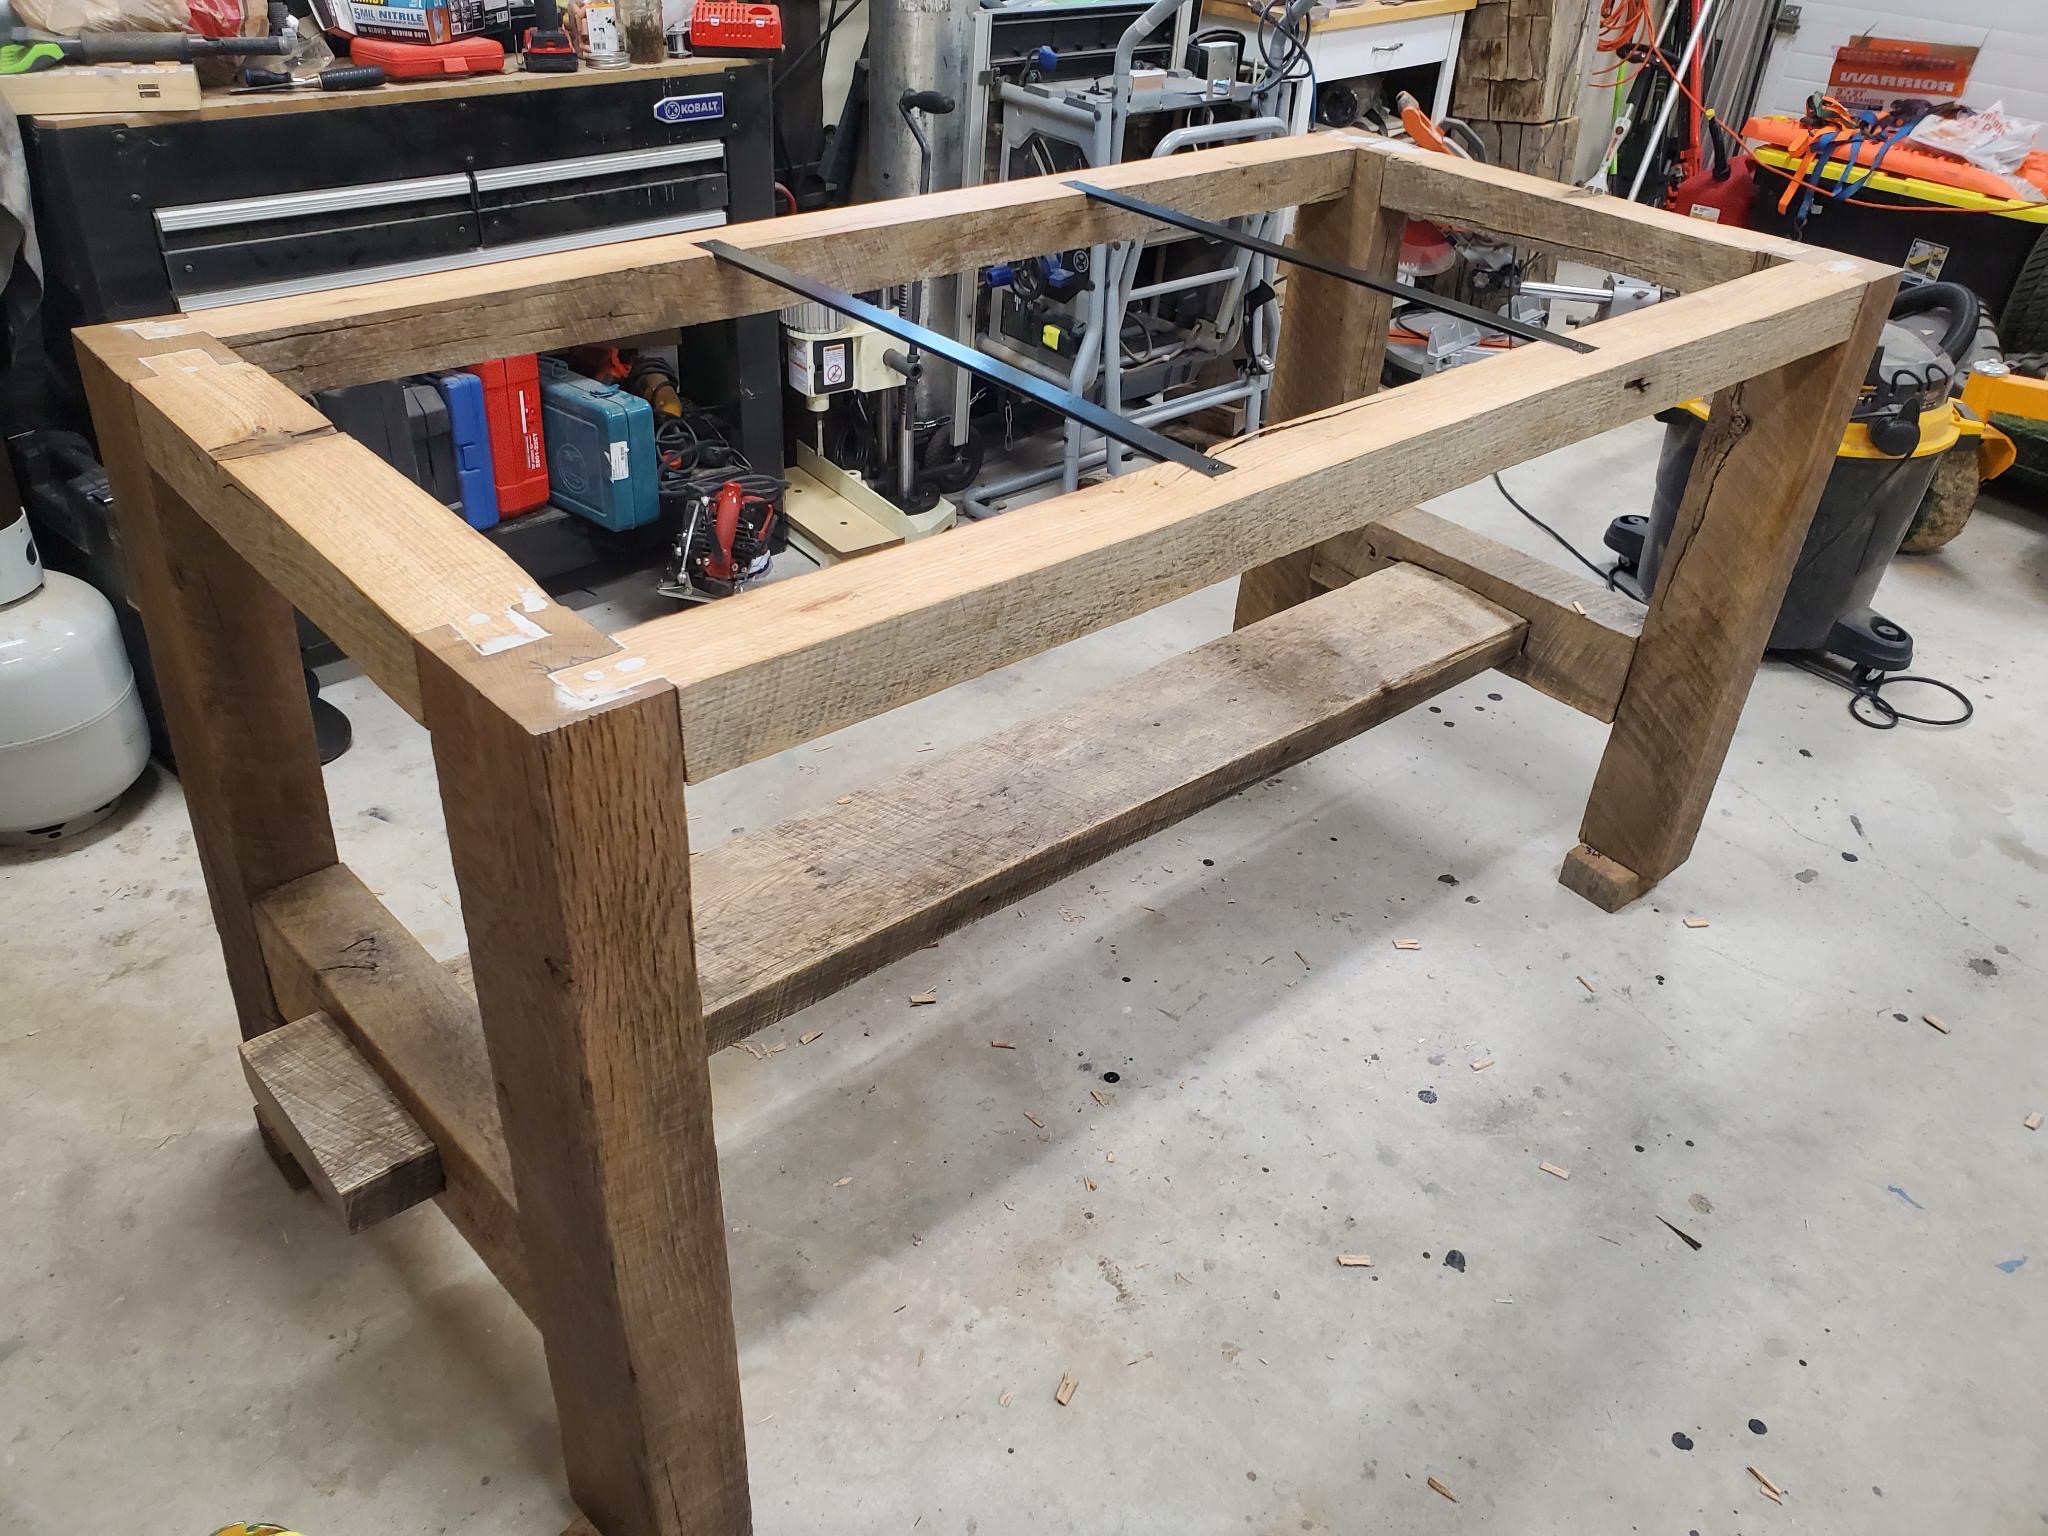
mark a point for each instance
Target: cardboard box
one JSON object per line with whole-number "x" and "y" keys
{"x": 1874, "y": 72}
{"x": 413, "y": 21}
{"x": 73, "y": 88}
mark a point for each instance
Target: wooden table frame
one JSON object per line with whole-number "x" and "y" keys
{"x": 561, "y": 1116}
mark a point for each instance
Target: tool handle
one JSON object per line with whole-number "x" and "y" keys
{"x": 936, "y": 103}
{"x": 147, "y": 47}
{"x": 254, "y": 79}
{"x": 351, "y": 77}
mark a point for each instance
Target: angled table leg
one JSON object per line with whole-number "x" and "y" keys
{"x": 1333, "y": 337}
{"x": 572, "y": 854}
{"x": 224, "y": 646}
{"x": 1763, "y": 462}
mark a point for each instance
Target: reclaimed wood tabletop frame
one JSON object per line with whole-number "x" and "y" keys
{"x": 551, "y": 1092}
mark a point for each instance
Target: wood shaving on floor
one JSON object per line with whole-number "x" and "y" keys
{"x": 842, "y": 1183}
{"x": 1771, "y": 1490}
{"x": 1104, "y": 1099}
{"x": 1067, "y": 1387}
{"x": 1587, "y": 985}
{"x": 1937, "y": 1021}
{"x": 1407, "y": 943}
{"x": 1436, "y": 1486}
{"x": 1482, "y": 1064}
{"x": 1034, "y": 1119}
{"x": 1354, "y": 1260}
{"x": 923, "y": 999}
{"x": 1109, "y": 1157}
{"x": 816, "y": 1034}
{"x": 1006, "y": 1399}
{"x": 2033, "y": 1121}
{"x": 1002, "y": 1045}
{"x": 1554, "y": 1171}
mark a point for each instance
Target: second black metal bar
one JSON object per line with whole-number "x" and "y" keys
{"x": 1337, "y": 269}
{"x": 1142, "y": 439}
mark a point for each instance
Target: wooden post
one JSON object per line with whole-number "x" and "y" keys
{"x": 1763, "y": 462}
{"x": 225, "y": 649}
{"x": 1333, "y": 336}
{"x": 572, "y": 854}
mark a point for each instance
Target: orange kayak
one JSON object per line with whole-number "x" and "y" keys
{"x": 1904, "y": 159}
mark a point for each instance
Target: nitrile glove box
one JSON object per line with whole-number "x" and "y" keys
{"x": 601, "y": 460}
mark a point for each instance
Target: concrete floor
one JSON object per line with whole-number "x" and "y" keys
{"x": 184, "y": 1342}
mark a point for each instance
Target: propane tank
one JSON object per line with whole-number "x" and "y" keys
{"x": 72, "y": 735}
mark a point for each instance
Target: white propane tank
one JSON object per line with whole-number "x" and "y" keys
{"x": 72, "y": 736}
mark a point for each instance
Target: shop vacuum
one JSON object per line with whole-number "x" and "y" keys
{"x": 1902, "y": 424}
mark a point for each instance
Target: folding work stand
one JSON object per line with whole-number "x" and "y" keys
{"x": 562, "y": 1118}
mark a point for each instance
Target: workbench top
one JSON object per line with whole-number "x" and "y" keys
{"x": 219, "y": 105}
{"x": 1341, "y": 18}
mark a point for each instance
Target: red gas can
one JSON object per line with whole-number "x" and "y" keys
{"x": 1721, "y": 193}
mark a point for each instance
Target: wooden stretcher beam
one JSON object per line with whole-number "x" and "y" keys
{"x": 1687, "y": 255}
{"x": 367, "y": 555}
{"x": 419, "y": 1032}
{"x": 359, "y": 1146}
{"x": 446, "y": 320}
{"x": 1581, "y": 639}
{"x": 794, "y": 912}
{"x": 784, "y": 664}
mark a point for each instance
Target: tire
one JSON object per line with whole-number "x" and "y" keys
{"x": 1949, "y": 501}
{"x": 2024, "y": 323}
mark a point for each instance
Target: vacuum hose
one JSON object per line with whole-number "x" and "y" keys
{"x": 1963, "y": 308}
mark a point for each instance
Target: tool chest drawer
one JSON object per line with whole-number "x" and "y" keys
{"x": 257, "y": 197}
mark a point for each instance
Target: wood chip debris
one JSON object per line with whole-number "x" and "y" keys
{"x": 844, "y": 800}
{"x": 1109, "y": 1157}
{"x": 1695, "y": 922}
{"x": 2033, "y": 1121}
{"x": 1104, "y": 1099}
{"x": 1065, "y": 1394}
{"x": 1937, "y": 1021}
{"x": 1482, "y": 1064}
{"x": 1006, "y": 1399}
{"x": 1771, "y": 1490}
{"x": 1089, "y": 1182}
{"x": 842, "y": 1183}
{"x": 1578, "y": 607}
{"x": 1554, "y": 1171}
{"x": 1587, "y": 985}
{"x": 923, "y": 999}
{"x": 1002, "y": 1045}
{"x": 1407, "y": 943}
{"x": 1436, "y": 1486}
{"x": 753, "y": 1050}
{"x": 1034, "y": 1119}
{"x": 1354, "y": 1260}
{"x": 816, "y": 1034}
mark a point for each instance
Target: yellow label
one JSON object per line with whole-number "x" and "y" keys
{"x": 1051, "y": 337}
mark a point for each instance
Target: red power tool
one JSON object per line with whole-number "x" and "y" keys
{"x": 741, "y": 522}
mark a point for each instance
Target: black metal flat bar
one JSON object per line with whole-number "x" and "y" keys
{"x": 1144, "y": 440}
{"x": 1337, "y": 269}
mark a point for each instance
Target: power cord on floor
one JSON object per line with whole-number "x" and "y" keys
{"x": 1606, "y": 575}
{"x": 1865, "y": 685}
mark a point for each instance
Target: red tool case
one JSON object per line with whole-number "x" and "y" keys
{"x": 519, "y": 458}
{"x": 429, "y": 61}
{"x": 735, "y": 29}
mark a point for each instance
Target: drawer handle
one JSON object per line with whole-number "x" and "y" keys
{"x": 1388, "y": 47}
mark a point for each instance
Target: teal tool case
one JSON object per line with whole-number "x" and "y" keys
{"x": 601, "y": 459}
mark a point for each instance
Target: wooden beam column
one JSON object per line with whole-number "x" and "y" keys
{"x": 1333, "y": 336}
{"x": 1763, "y": 462}
{"x": 571, "y": 850}
{"x": 225, "y": 649}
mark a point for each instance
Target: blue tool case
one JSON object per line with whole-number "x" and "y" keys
{"x": 601, "y": 459}
{"x": 468, "y": 427}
